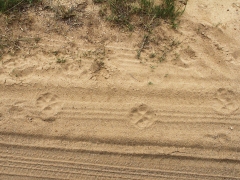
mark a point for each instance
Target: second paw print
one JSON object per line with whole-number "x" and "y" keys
{"x": 49, "y": 106}
{"x": 142, "y": 116}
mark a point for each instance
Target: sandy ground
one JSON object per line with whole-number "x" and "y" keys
{"x": 101, "y": 113}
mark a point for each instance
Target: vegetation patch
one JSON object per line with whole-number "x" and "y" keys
{"x": 11, "y": 45}
{"x": 144, "y": 13}
{"x": 61, "y": 60}
{"x": 8, "y": 5}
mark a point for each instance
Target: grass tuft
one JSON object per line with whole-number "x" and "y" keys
{"x": 124, "y": 12}
{"x": 7, "y": 5}
{"x": 61, "y": 60}
{"x": 121, "y": 12}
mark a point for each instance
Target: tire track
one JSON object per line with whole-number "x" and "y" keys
{"x": 63, "y": 168}
{"x": 114, "y": 148}
{"x": 25, "y": 176}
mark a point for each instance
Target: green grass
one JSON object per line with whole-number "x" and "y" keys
{"x": 61, "y": 60}
{"x": 7, "y": 5}
{"x": 124, "y": 12}
{"x": 150, "y": 83}
{"x": 98, "y": 1}
{"x": 169, "y": 11}
{"x": 121, "y": 12}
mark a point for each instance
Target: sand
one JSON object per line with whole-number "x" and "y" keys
{"x": 76, "y": 103}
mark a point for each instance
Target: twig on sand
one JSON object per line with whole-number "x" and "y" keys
{"x": 13, "y": 6}
{"x": 145, "y": 38}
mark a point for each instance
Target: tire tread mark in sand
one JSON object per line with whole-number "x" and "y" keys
{"x": 142, "y": 116}
{"x": 48, "y": 167}
{"x": 49, "y": 106}
{"x": 225, "y": 101}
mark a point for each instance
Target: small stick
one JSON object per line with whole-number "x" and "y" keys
{"x": 143, "y": 45}
{"x": 13, "y": 6}
{"x": 134, "y": 77}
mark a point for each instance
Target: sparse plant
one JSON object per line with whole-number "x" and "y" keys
{"x": 7, "y": 5}
{"x": 98, "y": 1}
{"x": 152, "y": 55}
{"x": 162, "y": 58}
{"x": 12, "y": 44}
{"x": 177, "y": 56}
{"x": 143, "y": 13}
{"x": 61, "y": 60}
{"x": 123, "y": 11}
{"x": 169, "y": 11}
{"x": 87, "y": 54}
{"x": 175, "y": 43}
{"x": 152, "y": 67}
{"x": 65, "y": 13}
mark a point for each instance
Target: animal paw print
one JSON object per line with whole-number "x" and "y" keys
{"x": 142, "y": 116}
{"x": 225, "y": 101}
{"x": 48, "y": 105}
{"x": 73, "y": 66}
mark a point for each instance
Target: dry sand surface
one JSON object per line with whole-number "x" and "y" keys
{"x": 101, "y": 113}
